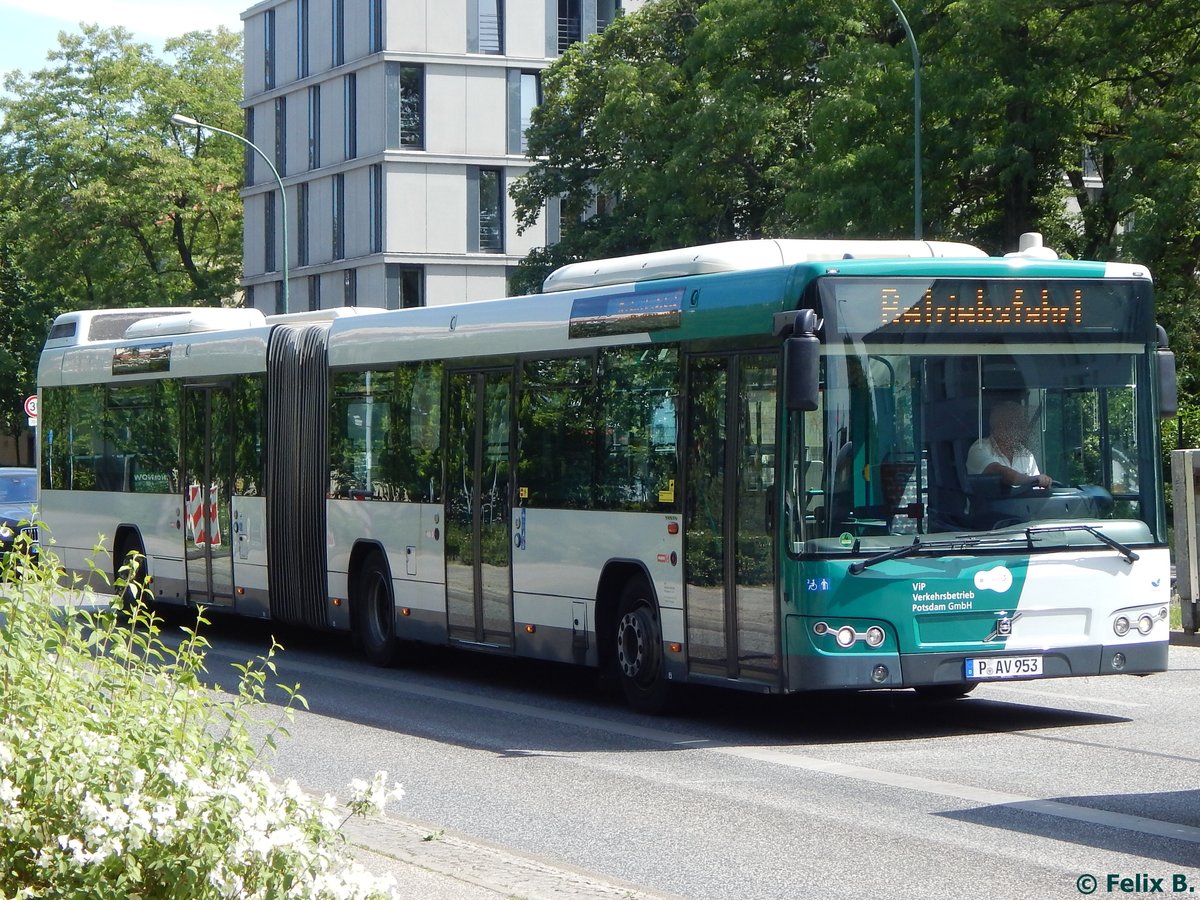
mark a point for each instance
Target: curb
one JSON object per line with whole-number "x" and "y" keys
{"x": 469, "y": 866}
{"x": 1184, "y": 639}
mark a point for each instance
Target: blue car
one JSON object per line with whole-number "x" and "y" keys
{"x": 18, "y": 497}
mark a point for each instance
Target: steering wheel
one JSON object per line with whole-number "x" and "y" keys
{"x": 1032, "y": 488}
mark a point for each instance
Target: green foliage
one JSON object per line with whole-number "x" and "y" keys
{"x": 702, "y": 120}
{"x": 118, "y": 208}
{"x": 122, "y": 774}
{"x": 102, "y": 202}
{"x": 24, "y": 316}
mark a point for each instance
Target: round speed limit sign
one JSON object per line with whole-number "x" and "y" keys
{"x": 31, "y": 406}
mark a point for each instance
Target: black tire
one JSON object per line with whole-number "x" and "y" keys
{"x": 641, "y": 668}
{"x": 131, "y": 555}
{"x": 945, "y": 691}
{"x": 375, "y": 613}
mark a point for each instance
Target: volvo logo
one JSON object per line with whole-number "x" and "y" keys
{"x": 1003, "y": 627}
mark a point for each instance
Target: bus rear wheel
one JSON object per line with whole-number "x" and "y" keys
{"x": 129, "y": 568}
{"x": 375, "y": 615}
{"x": 639, "y": 655}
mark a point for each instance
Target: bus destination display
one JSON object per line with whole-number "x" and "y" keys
{"x": 629, "y": 313}
{"x": 954, "y": 306}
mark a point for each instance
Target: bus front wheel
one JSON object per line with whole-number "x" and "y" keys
{"x": 944, "y": 691}
{"x": 375, "y": 618}
{"x": 640, "y": 664}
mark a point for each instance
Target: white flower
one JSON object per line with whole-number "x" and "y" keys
{"x": 164, "y": 812}
{"x": 372, "y": 798}
{"x": 9, "y": 793}
{"x": 174, "y": 770}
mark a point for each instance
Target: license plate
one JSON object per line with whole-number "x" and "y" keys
{"x": 1004, "y": 667}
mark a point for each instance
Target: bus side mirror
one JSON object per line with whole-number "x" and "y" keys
{"x": 1168, "y": 388}
{"x": 802, "y": 372}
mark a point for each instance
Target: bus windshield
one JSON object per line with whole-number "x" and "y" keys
{"x": 903, "y": 441}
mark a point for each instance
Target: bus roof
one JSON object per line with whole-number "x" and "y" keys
{"x": 733, "y": 256}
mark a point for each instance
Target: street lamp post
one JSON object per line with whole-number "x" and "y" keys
{"x": 912, "y": 42}
{"x": 188, "y": 122}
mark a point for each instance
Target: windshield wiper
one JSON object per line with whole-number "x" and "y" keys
{"x": 897, "y": 553}
{"x": 1127, "y": 553}
{"x": 918, "y": 545}
{"x": 990, "y": 539}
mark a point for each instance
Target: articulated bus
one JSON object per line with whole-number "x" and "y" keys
{"x": 744, "y": 464}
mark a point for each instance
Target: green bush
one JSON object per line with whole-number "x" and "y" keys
{"x": 123, "y": 775}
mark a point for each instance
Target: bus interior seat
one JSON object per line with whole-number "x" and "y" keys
{"x": 950, "y": 435}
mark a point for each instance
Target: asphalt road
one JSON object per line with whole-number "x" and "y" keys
{"x": 1022, "y": 790}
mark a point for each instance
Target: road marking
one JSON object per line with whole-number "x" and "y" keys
{"x": 983, "y": 796}
{"x": 967, "y": 793}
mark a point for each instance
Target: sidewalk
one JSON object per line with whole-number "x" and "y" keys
{"x": 430, "y": 863}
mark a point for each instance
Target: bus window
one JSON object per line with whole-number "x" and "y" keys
{"x": 639, "y": 401}
{"x": 895, "y": 431}
{"x": 557, "y": 429}
{"x": 385, "y": 441}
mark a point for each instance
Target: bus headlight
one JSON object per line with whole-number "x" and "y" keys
{"x": 1141, "y": 618}
{"x": 846, "y": 636}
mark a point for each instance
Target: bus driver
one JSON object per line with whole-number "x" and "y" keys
{"x": 1004, "y": 452}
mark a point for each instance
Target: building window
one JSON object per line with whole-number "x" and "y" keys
{"x": 488, "y": 33}
{"x": 247, "y": 152}
{"x": 338, "y": 31}
{"x": 607, "y": 12}
{"x": 314, "y": 292}
{"x": 314, "y": 127}
{"x": 339, "y": 216}
{"x": 248, "y": 297}
{"x": 280, "y": 306}
{"x": 350, "y": 287}
{"x": 491, "y": 211}
{"x": 375, "y": 25}
{"x": 281, "y": 135}
{"x": 524, "y": 95}
{"x": 553, "y": 221}
{"x": 269, "y": 49}
{"x": 570, "y": 26}
{"x": 405, "y": 286}
{"x": 269, "y": 232}
{"x": 405, "y": 106}
{"x": 302, "y": 68}
{"x": 375, "y": 175}
{"x": 302, "y": 224}
{"x": 350, "y": 103}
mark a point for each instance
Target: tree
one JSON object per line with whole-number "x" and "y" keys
{"x": 703, "y": 120}
{"x": 112, "y": 212}
{"x": 23, "y": 319}
{"x": 102, "y": 202}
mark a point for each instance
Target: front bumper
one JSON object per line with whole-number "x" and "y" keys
{"x": 860, "y": 671}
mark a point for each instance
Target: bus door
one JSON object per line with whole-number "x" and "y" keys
{"x": 479, "y": 507}
{"x": 207, "y": 481}
{"x": 729, "y": 547}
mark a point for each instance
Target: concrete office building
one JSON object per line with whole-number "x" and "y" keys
{"x": 396, "y": 127}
